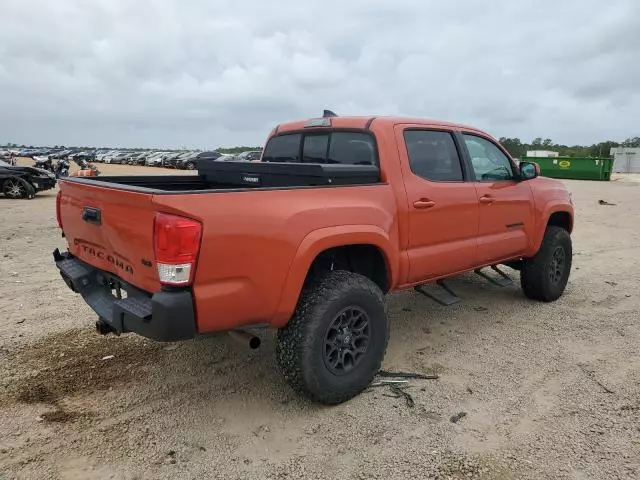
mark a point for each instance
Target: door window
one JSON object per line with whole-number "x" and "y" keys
{"x": 433, "y": 155}
{"x": 489, "y": 163}
{"x": 352, "y": 148}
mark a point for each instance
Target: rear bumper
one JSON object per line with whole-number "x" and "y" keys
{"x": 162, "y": 316}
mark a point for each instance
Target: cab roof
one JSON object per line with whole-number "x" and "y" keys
{"x": 362, "y": 122}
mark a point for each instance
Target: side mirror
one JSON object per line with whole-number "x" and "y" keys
{"x": 529, "y": 170}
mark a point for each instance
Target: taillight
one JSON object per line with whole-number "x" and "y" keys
{"x": 176, "y": 245}
{"x": 58, "y": 216}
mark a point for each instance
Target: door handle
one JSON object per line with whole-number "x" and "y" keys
{"x": 92, "y": 215}
{"x": 423, "y": 203}
{"x": 486, "y": 199}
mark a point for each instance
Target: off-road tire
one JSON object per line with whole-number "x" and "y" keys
{"x": 26, "y": 190}
{"x": 536, "y": 276}
{"x": 301, "y": 343}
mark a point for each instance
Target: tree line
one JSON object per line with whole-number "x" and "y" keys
{"x": 517, "y": 148}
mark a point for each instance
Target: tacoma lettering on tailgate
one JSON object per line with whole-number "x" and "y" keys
{"x": 101, "y": 255}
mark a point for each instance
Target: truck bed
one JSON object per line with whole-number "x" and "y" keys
{"x": 234, "y": 176}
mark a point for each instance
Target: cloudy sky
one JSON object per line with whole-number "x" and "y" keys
{"x": 208, "y": 73}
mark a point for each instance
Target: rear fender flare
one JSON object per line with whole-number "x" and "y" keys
{"x": 323, "y": 239}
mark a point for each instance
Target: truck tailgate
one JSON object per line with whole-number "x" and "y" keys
{"x": 111, "y": 230}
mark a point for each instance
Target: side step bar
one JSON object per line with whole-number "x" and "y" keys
{"x": 502, "y": 280}
{"x": 445, "y": 296}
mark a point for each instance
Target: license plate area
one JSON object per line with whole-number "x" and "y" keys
{"x": 115, "y": 286}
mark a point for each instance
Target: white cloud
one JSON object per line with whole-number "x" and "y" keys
{"x": 204, "y": 74}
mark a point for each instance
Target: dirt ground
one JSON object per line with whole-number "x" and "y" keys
{"x": 549, "y": 390}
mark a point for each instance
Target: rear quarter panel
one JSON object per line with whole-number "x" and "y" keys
{"x": 258, "y": 245}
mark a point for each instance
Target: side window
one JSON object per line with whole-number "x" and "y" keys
{"x": 487, "y": 160}
{"x": 283, "y": 148}
{"x": 315, "y": 148}
{"x": 433, "y": 155}
{"x": 352, "y": 148}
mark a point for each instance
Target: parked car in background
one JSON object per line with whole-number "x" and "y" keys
{"x": 102, "y": 155}
{"x": 209, "y": 156}
{"x": 132, "y": 158}
{"x": 156, "y": 160}
{"x": 82, "y": 156}
{"x": 250, "y": 156}
{"x": 186, "y": 161}
{"x": 117, "y": 158}
{"x": 61, "y": 154}
{"x": 24, "y": 182}
{"x": 127, "y": 159}
{"x": 106, "y": 158}
{"x": 170, "y": 159}
{"x": 7, "y": 157}
{"x": 141, "y": 158}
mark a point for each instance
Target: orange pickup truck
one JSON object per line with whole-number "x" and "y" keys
{"x": 338, "y": 212}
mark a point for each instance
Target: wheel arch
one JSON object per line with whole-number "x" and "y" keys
{"x": 557, "y": 215}
{"x": 357, "y": 243}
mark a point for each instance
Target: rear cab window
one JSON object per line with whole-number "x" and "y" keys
{"x": 325, "y": 147}
{"x": 283, "y": 148}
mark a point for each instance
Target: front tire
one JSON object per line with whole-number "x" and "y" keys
{"x": 333, "y": 346}
{"x": 544, "y": 277}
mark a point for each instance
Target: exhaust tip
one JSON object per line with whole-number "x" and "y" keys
{"x": 246, "y": 339}
{"x": 255, "y": 343}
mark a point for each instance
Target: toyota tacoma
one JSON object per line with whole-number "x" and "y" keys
{"x": 338, "y": 212}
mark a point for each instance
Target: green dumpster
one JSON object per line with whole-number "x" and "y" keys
{"x": 576, "y": 168}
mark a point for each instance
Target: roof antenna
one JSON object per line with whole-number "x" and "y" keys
{"x": 328, "y": 113}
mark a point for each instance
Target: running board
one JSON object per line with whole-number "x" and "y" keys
{"x": 502, "y": 280}
{"x": 445, "y": 296}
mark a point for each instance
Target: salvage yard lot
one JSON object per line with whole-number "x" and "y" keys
{"x": 549, "y": 390}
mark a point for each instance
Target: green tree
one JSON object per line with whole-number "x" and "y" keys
{"x": 602, "y": 149}
{"x": 514, "y": 146}
{"x": 633, "y": 142}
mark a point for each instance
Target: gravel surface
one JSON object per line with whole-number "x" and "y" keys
{"x": 525, "y": 390}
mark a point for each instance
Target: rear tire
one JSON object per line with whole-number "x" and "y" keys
{"x": 545, "y": 276}
{"x": 333, "y": 346}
